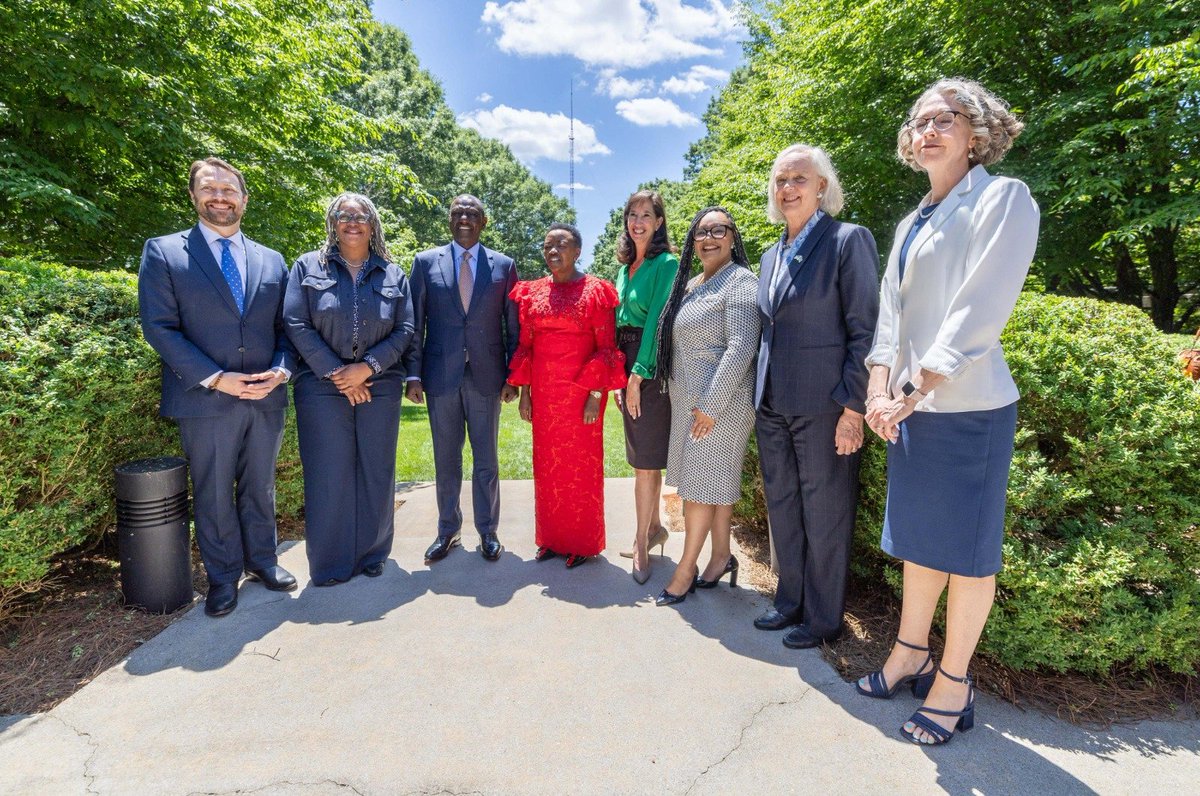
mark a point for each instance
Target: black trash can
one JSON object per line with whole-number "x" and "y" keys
{"x": 152, "y": 531}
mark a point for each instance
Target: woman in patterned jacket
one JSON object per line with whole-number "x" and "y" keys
{"x": 707, "y": 338}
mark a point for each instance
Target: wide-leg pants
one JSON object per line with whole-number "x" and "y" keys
{"x": 349, "y": 458}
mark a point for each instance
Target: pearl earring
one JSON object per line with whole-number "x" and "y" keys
{"x": 820, "y": 195}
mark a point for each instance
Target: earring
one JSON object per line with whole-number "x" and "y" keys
{"x": 820, "y": 195}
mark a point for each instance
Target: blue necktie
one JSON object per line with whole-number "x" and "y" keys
{"x": 229, "y": 269}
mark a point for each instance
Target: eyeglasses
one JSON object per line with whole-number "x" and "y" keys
{"x": 941, "y": 122}
{"x": 716, "y": 232}
{"x": 352, "y": 218}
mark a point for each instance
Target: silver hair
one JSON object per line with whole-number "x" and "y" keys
{"x": 378, "y": 244}
{"x": 992, "y": 123}
{"x": 832, "y": 199}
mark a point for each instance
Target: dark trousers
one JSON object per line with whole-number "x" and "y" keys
{"x": 453, "y": 417}
{"x": 232, "y": 463}
{"x": 812, "y": 501}
{"x": 349, "y": 458}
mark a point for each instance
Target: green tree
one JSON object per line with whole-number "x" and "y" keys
{"x": 1108, "y": 89}
{"x": 104, "y": 103}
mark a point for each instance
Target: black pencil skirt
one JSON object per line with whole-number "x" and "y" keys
{"x": 647, "y": 438}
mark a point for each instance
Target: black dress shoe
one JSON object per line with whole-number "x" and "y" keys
{"x": 489, "y": 546}
{"x": 274, "y": 578}
{"x": 222, "y": 598}
{"x": 775, "y": 620}
{"x": 373, "y": 570}
{"x": 438, "y": 550}
{"x": 799, "y": 638}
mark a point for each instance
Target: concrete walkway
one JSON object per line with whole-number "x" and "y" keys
{"x": 520, "y": 677}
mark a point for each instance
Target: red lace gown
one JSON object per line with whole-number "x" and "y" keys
{"x": 567, "y": 348}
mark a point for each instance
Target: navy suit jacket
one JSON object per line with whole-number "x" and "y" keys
{"x": 817, "y": 332}
{"x": 445, "y": 335}
{"x": 189, "y": 317}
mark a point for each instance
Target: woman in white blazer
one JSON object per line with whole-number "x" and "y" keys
{"x": 941, "y": 393}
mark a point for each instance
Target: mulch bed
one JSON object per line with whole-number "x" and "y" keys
{"x": 873, "y": 617}
{"x": 64, "y": 636}
{"x": 60, "y": 638}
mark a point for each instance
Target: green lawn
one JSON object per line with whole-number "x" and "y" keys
{"x": 414, "y": 453}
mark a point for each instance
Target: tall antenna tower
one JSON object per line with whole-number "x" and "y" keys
{"x": 571, "y": 139}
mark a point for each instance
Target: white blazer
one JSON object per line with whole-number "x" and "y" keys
{"x": 964, "y": 274}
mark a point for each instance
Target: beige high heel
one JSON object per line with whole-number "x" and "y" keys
{"x": 659, "y": 538}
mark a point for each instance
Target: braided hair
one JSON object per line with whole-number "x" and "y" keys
{"x": 664, "y": 337}
{"x": 378, "y": 245}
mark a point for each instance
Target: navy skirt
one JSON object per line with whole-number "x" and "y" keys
{"x": 947, "y": 490}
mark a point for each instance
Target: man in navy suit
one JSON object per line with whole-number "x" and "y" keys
{"x": 466, "y": 333}
{"x": 211, "y": 303}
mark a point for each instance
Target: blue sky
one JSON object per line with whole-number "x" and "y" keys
{"x": 643, "y": 70}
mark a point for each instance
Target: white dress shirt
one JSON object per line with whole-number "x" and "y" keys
{"x": 237, "y": 247}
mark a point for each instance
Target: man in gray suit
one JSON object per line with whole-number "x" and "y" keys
{"x": 466, "y": 333}
{"x": 211, "y": 304}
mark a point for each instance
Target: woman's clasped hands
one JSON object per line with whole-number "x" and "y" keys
{"x": 351, "y": 381}
{"x": 884, "y": 414}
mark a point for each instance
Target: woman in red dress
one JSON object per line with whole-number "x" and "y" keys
{"x": 566, "y": 361}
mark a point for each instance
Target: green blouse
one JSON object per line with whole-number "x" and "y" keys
{"x": 642, "y": 300}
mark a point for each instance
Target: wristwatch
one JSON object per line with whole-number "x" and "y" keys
{"x": 909, "y": 388}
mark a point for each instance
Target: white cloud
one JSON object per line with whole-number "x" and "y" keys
{"x": 534, "y": 135}
{"x": 485, "y": 98}
{"x": 695, "y": 80}
{"x": 655, "y": 112}
{"x": 618, "y": 33}
{"x": 617, "y": 87}
{"x": 566, "y": 186}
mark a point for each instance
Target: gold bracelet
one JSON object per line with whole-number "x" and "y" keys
{"x": 216, "y": 381}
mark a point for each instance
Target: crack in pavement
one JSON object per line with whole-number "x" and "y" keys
{"x": 742, "y": 735}
{"x": 87, "y": 764}
{"x": 279, "y": 783}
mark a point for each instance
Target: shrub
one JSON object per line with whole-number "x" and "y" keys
{"x": 1101, "y": 562}
{"x": 79, "y": 392}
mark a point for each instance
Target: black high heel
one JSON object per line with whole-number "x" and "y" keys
{"x": 731, "y": 567}
{"x": 666, "y": 598}
{"x": 922, "y": 681}
{"x": 543, "y": 553}
{"x": 966, "y": 716}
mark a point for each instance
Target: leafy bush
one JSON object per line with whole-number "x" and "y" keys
{"x": 79, "y": 392}
{"x": 1101, "y": 562}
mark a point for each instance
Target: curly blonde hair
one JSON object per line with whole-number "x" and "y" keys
{"x": 992, "y": 123}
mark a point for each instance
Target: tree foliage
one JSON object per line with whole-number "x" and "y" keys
{"x": 104, "y": 103}
{"x": 1108, "y": 89}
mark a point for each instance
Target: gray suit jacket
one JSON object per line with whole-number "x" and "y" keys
{"x": 190, "y": 318}
{"x": 817, "y": 332}
{"x": 445, "y": 335}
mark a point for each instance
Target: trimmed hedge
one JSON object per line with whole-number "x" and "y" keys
{"x": 79, "y": 394}
{"x": 1101, "y": 562}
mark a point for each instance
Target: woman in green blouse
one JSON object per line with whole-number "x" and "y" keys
{"x": 644, "y": 283}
